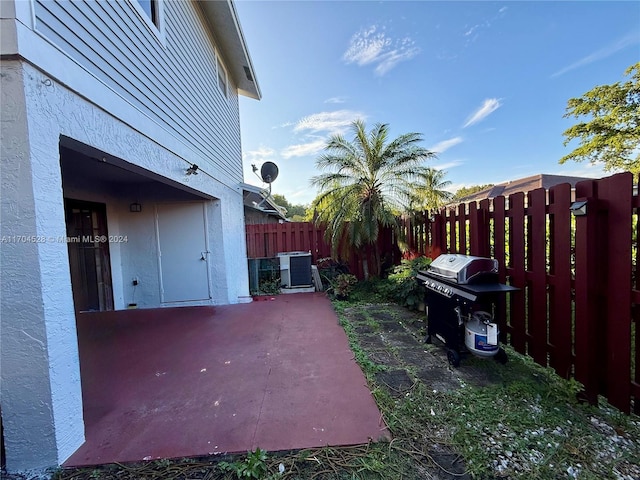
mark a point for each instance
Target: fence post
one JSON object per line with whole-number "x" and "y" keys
{"x": 586, "y": 296}
{"x": 616, "y": 193}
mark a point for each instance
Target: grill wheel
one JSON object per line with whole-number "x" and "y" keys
{"x": 453, "y": 357}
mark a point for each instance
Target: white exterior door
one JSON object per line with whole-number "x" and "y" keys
{"x": 183, "y": 255}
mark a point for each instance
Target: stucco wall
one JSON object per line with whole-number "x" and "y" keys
{"x": 137, "y": 257}
{"x": 41, "y": 395}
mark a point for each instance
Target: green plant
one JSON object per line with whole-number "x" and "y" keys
{"x": 253, "y": 466}
{"x": 364, "y": 182}
{"x": 369, "y": 367}
{"x": 269, "y": 287}
{"x": 369, "y": 291}
{"x": 342, "y": 285}
{"x": 163, "y": 462}
{"x": 402, "y": 285}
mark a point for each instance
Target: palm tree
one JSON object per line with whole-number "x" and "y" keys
{"x": 431, "y": 193}
{"x": 369, "y": 181}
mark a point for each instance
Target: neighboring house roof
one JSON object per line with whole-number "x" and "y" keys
{"x": 225, "y": 26}
{"x": 526, "y": 184}
{"x": 259, "y": 199}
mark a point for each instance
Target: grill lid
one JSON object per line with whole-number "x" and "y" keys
{"x": 463, "y": 269}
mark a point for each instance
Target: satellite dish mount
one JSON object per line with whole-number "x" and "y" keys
{"x": 268, "y": 173}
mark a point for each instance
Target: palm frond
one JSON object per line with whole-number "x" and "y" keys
{"x": 367, "y": 181}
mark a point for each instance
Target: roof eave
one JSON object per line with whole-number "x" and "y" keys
{"x": 225, "y": 27}
{"x": 263, "y": 196}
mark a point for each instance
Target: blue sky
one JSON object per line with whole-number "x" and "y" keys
{"x": 486, "y": 83}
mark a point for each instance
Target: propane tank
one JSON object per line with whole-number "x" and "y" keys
{"x": 478, "y": 338}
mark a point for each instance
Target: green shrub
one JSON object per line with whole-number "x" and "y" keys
{"x": 402, "y": 285}
{"x": 269, "y": 287}
{"x": 342, "y": 285}
{"x": 374, "y": 290}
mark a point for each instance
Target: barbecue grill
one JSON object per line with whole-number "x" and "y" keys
{"x": 460, "y": 294}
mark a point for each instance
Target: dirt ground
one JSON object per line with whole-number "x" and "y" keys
{"x": 399, "y": 344}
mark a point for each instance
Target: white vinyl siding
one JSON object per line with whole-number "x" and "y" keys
{"x": 174, "y": 82}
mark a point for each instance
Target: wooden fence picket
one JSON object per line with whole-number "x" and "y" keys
{"x": 560, "y": 281}
{"x": 536, "y": 272}
{"x": 516, "y": 270}
{"x": 615, "y": 195}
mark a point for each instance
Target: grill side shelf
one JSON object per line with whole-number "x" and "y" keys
{"x": 474, "y": 288}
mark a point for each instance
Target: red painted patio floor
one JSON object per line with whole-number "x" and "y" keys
{"x": 192, "y": 381}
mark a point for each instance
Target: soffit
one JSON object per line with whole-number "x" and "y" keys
{"x": 226, "y": 30}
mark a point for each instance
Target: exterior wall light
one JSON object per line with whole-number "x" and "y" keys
{"x": 192, "y": 170}
{"x": 579, "y": 209}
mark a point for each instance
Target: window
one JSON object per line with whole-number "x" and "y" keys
{"x": 151, "y": 12}
{"x": 150, "y": 7}
{"x": 222, "y": 78}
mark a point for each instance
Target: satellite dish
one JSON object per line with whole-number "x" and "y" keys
{"x": 269, "y": 172}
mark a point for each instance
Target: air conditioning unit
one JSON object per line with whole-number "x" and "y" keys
{"x": 295, "y": 269}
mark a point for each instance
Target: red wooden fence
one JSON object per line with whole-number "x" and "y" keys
{"x": 267, "y": 240}
{"x": 578, "y": 309}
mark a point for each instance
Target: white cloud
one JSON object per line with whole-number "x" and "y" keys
{"x": 392, "y": 58}
{"x": 588, "y": 170}
{"x": 471, "y": 30}
{"x": 260, "y": 155}
{"x": 302, "y": 193}
{"x": 371, "y": 46}
{"x": 366, "y": 46}
{"x": 282, "y": 125}
{"x": 473, "y": 33}
{"x": 445, "y": 145}
{"x": 448, "y": 165}
{"x": 303, "y": 149}
{"x": 332, "y": 122}
{"x": 632, "y": 38}
{"x": 489, "y": 106}
{"x": 454, "y": 187}
{"x": 336, "y": 100}
{"x": 316, "y": 129}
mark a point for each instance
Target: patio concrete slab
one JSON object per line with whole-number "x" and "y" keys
{"x": 192, "y": 381}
